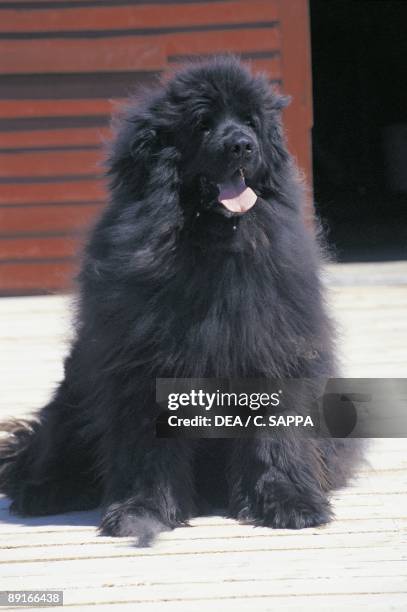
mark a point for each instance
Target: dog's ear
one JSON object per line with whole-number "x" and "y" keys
{"x": 143, "y": 171}
{"x": 136, "y": 151}
{"x": 142, "y": 142}
{"x": 281, "y": 101}
{"x": 278, "y": 174}
{"x": 143, "y": 168}
{"x": 132, "y": 146}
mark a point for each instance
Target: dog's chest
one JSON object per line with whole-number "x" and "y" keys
{"x": 228, "y": 321}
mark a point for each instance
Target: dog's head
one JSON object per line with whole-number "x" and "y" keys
{"x": 228, "y": 128}
{"x": 214, "y": 124}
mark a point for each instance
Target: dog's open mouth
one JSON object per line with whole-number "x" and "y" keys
{"x": 235, "y": 195}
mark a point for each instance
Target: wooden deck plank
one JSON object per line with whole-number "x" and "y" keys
{"x": 359, "y": 560}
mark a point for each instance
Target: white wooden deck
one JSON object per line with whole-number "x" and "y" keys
{"x": 358, "y": 560}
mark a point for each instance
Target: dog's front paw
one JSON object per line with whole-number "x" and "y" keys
{"x": 127, "y": 520}
{"x": 281, "y": 506}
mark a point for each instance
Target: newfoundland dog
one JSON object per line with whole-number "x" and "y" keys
{"x": 199, "y": 267}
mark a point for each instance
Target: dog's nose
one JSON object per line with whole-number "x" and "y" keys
{"x": 240, "y": 147}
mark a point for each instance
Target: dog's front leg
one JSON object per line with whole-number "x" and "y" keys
{"x": 279, "y": 482}
{"x": 149, "y": 483}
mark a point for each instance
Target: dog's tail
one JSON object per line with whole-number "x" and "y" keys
{"x": 16, "y": 440}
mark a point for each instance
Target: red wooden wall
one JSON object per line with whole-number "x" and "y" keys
{"x": 62, "y": 67}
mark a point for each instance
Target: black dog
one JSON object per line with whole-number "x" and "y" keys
{"x": 199, "y": 267}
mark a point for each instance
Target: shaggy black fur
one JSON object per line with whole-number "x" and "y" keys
{"x": 166, "y": 292}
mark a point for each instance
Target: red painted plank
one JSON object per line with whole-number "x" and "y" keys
{"x": 13, "y": 109}
{"x": 136, "y": 16}
{"x": 54, "y": 138}
{"x": 272, "y": 66}
{"x": 43, "y": 193}
{"x": 64, "y": 218}
{"x": 40, "y": 248}
{"x": 81, "y": 55}
{"x": 126, "y": 53}
{"x": 238, "y": 41}
{"x": 38, "y": 277}
{"x": 57, "y": 163}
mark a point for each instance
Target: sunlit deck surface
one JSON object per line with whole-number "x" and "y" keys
{"x": 358, "y": 561}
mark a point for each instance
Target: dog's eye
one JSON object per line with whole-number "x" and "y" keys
{"x": 204, "y": 126}
{"x": 250, "y": 121}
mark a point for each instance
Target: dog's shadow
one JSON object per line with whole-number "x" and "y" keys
{"x": 89, "y": 518}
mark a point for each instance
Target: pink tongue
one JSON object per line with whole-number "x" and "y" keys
{"x": 235, "y": 195}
